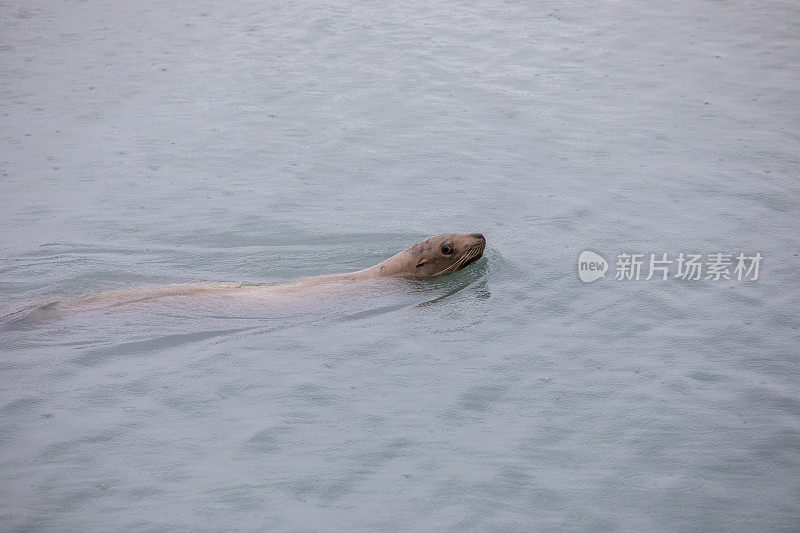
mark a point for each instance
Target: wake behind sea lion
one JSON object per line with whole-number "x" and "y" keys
{"x": 436, "y": 256}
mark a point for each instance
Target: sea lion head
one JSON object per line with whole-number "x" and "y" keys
{"x": 438, "y": 255}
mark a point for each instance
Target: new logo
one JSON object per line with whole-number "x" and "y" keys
{"x": 591, "y": 266}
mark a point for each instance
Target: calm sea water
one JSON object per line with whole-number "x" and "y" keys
{"x": 174, "y": 142}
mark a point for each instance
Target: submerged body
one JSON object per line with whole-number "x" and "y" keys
{"x": 436, "y": 256}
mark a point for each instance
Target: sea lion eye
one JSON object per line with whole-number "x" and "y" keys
{"x": 447, "y": 248}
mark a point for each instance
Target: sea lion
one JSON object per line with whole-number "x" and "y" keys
{"x": 436, "y": 256}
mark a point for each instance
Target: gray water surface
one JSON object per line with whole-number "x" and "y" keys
{"x": 172, "y": 142}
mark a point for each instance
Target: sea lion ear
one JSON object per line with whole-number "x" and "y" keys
{"x": 421, "y": 262}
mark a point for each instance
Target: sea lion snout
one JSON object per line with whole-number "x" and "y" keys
{"x": 478, "y": 242}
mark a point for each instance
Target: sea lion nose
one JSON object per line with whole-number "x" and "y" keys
{"x": 478, "y": 236}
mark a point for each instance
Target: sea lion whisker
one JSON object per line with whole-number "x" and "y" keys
{"x": 455, "y": 266}
{"x": 449, "y": 267}
{"x": 443, "y": 271}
